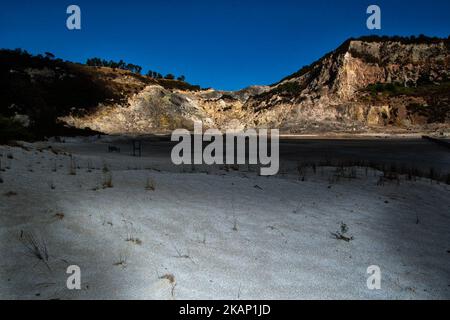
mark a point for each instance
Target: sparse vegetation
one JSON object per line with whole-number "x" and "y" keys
{"x": 55, "y": 166}
{"x": 36, "y": 247}
{"x": 177, "y": 84}
{"x": 235, "y": 224}
{"x": 388, "y": 176}
{"x": 68, "y": 85}
{"x": 123, "y": 259}
{"x": 435, "y": 110}
{"x": 11, "y": 129}
{"x": 286, "y": 90}
{"x": 59, "y": 216}
{"x": 171, "y": 278}
{"x": 343, "y": 172}
{"x": 342, "y": 233}
{"x": 133, "y": 240}
{"x": 154, "y": 74}
{"x": 130, "y": 233}
{"x": 366, "y": 57}
{"x": 301, "y": 169}
{"x": 392, "y": 172}
{"x": 1, "y": 169}
{"x": 97, "y": 62}
{"x": 89, "y": 166}
{"x": 420, "y": 39}
{"x": 182, "y": 255}
{"x": 72, "y": 167}
{"x": 391, "y": 89}
{"x": 107, "y": 180}
{"x": 150, "y": 186}
{"x": 105, "y": 168}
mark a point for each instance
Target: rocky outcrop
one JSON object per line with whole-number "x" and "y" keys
{"x": 153, "y": 109}
{"x": 333, "y": 91}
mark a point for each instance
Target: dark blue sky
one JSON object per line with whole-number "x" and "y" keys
{"x": 222, "y": 44}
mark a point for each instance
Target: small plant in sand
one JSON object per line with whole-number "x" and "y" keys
{"x": 107, "y": 181}
{"x": 181, "y": 255}
{"x": 171, "y": 278}
{"x": 235, "y": 224}
{"x": 388, "y": 176}
{"x": 150, "y": 185}
{"x": 134, "y": 240}
{"x": 55, "y": 167}
{"x": 233, "y": 209}
{"x": 89, "y": 166}
{"x": 35, "y": 247}
{"x": 342, "y": 234}
{"x": 432, "y": 174}
{"x": 301, "y": 171}
{"x": 131, "y": 234}
{"x": 72, "y": 167}
{"x": 123, "y": 259}
{"x": 51, "y": 184}
{"x": 10, "y": 194}
{"x": 59, "y": 216}
{"x": 204, "y": 239}
{"x": 342, "y": 172}
{"x": 105, "y": 168}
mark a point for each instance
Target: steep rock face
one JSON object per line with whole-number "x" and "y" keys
{"x": 151, "y": 110}
{"x": 226, "y": 108}
{"x": 386, "y": 62}
{"x": 156, "y": 109}
{"x": 331, "y": 91}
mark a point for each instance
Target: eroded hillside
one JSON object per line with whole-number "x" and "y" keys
{"x": 338, "y": 90}
{"x": 367, "y": 84}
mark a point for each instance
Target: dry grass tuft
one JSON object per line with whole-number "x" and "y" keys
{"x": 59, "y": 215}
{"x": 107, "y": 181}
{"x": 36, "y": 247}
{"x": 169, "y": 277}
{"x": 72, "y": 167}
{"x": 136, "y": 241}
{"x": 150, "y": 186}
{"x": 342, "y": 234}
{"x": 123, "y": 260}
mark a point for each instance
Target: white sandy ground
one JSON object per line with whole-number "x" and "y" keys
{"x": 217, "y": 234}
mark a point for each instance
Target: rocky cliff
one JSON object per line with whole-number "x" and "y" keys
{"x": 360, "y": 85}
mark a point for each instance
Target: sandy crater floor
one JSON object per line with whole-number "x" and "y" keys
{"x": 225, "y": 235}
